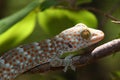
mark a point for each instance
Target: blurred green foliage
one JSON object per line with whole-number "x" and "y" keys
{"x": 47, "y": 3}
{"x": 115, "y": 75}
{"x": 83, "y": 1}
{"x": 7, "y": 22}
{"x": 54, "y": 20}
{"x": 18, "y": 32}
{"x": 19, "y": 28}
{"x": 47, "y": 18}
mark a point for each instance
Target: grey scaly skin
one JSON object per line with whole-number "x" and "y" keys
{"x": 25, "y": 57}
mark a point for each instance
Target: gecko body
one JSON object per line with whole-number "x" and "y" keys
{"x": 25, "y": 57}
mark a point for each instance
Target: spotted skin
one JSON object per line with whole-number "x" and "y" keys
{"x": 25, "y": 57}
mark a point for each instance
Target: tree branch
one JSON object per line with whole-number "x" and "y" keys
{"x": 98, "y": 53}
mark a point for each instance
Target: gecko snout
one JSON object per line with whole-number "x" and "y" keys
{"x": 97, "y": 36}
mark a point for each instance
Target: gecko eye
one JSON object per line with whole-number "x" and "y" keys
{"x": 85, "y": 34}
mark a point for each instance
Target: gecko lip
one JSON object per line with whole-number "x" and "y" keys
{"x": 97, "y": 36}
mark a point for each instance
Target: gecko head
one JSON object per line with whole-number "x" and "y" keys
{"x": 80, "y": 36}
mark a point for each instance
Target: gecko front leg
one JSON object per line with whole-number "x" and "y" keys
{"x": 66, "y": 62}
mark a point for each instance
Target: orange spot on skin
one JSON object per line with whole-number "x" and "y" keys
{"x": 52, "y": 51}
{"x": 73, "y": 42}
{"x": 32, "y": 50}
{"x": 13, "y": 50}
{"x": 45, "y": 50}
{"x": 24, "y": 49}
{"x": 74, "y": 46}
{"x": 10, "y": 62}
{"x": 14, "y": 60}
{"x": 14, "y": 64}
{"x": 21, "y": 60}
{"x": 74, "y": 32}
{"x": 28, "y": 52}
{"x": 36, "y": 51}
{"x": 77, "y": 35}
{"x": 32, "y": 46}
{"x": 7, "y": 69}
{"x": 68, "y": 38}
{"x": 62, "y": 42}
{"x": 25, "y": 58}
{"x": 30, "y": 60}
{"x": 15, "y": 53}
{"x": 17, "y": 57}
{"x": 3, "y": 69}
{"x": 32, "y": 55}
{"x": 20, "y": 55}
{"x": 12, "y": 74}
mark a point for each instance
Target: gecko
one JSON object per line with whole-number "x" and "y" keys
{"x": 24, "y": 57}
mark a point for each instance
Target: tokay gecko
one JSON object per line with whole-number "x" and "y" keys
{"x": 25, "y": 57}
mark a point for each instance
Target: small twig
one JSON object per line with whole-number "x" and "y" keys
{"x": 117, "y": 22}
{"x": 102, "y": 13}
{"x": 98, "y": 53}
{"x": 107, "y": 15}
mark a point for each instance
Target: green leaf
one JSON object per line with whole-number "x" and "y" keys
{"x": 118, "y": 35}
{"x": 6, "y": 23}
{"x": 18, "y": 32}
{"x": 116, "y": 75}
{"x": 83, "y": 1}
{"x": 47, "y": 3}
{"x": 53, "y": 21}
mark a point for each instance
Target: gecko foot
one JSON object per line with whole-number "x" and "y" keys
{"x": 68, "y": 62}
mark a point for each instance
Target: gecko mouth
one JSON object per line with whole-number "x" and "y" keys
{"x": 97, "y": 36}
